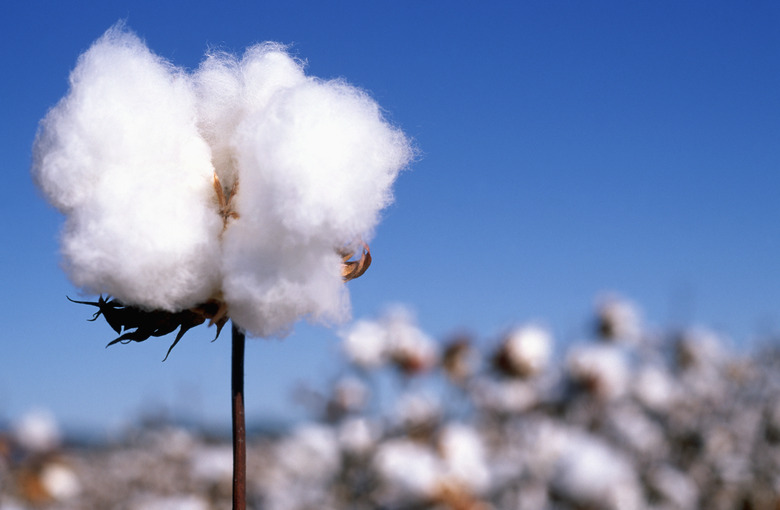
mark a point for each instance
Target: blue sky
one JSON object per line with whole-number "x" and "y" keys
{"x": 567, "y": 148}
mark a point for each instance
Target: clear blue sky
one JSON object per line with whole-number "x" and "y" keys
{"x": 567, "y": 148}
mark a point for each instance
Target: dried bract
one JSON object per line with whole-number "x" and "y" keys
{"x": 134, "y": 324}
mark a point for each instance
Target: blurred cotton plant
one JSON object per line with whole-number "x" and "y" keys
{"x": 615, "y": 422}
{"x": 395, "y": 339}
{"x": 607, "y": 425}
{"x": 240, "y": 190}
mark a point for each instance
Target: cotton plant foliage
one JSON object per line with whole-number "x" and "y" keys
{"x": 138, "y": 152}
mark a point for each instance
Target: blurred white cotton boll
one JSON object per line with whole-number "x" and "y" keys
{"x": 655, "y": 388}
{"x": 212, "y": 463}
{"x": 358, "y": 435}
{"x": 510, "y": 396}
{"x": 38, "y": 431}
{"x": 465, "y": 462}
{"x": 408, "y": 468}
{"x": 675, "y": 486}
{"x": 312, "y": 452}
{"x": 122, "y": 157}
{"x": 365, "y": 343}
{"x": 60, "y": 481}
{"x": 592, "y": 473}
{"x": 618, "y": 319}
{"x": 411, "y": 348}
{"x": 600, "y": 369}
{"x": 636, "y": 430}
{"x": 700, "y": 348}
{"x": 526, "y": 351}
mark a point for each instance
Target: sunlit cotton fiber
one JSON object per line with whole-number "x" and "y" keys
{"x": 315, "y": 162}
{"x": 130, "y": 155}
{"x": 122, "y": 157}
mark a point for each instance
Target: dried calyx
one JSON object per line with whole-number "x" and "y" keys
{"x": 135, "y": 324}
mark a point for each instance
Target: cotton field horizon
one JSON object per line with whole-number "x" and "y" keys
{"x": 562, "y": 153}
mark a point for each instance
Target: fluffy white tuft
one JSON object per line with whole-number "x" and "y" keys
{"x": 130, "y": 153}
{"x": 315, "y": 161}
{"x": 121, "y": 156}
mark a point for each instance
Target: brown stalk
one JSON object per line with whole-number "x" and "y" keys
{"x": 239, "y": 420}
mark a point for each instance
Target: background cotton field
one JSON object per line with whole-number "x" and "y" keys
{"x": 652, "y": 420}
{"x": 567, "y": 160}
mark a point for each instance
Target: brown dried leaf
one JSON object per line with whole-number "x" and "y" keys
{"x": 351, "y": 269}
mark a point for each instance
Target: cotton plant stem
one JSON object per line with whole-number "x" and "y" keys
{"x": 239, "y": 421}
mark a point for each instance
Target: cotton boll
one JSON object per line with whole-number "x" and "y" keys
{"x": 121, "y": 156}
{"x": 38, "y": 431}
{"x": 674, "y": 486}
{"x": 358, "y": 435}
{"x": 311, "y": 452}
{"x": 511, "y": 396}
{"x": 525, "y": 352}
{"x": 408, "y": 468}
{"x": 618, "y": 319}
{"x": 602, "y": 370}
{"x": 60, "y": 481}
{"x": 365, "y": 343}
{"x": 591, "y": 473}
{"x": 655, "y": 388}
{"x": 130, "y": 154}
{"x": 465, "y": 461}
{"x": 212, "y": 464}
{"x": 636, "y": 430}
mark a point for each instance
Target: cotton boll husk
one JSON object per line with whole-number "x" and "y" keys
{"x": 121, "y": 156}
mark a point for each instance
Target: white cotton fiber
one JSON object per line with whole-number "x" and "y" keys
{"x": 230, "y": 89}
{"x": 315, "y": 162}
{"x": 326, "y": 154}
{"x": 130, "y": 153}
{"x": 121, "y": 156}
{"x": 270, "y": 281}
